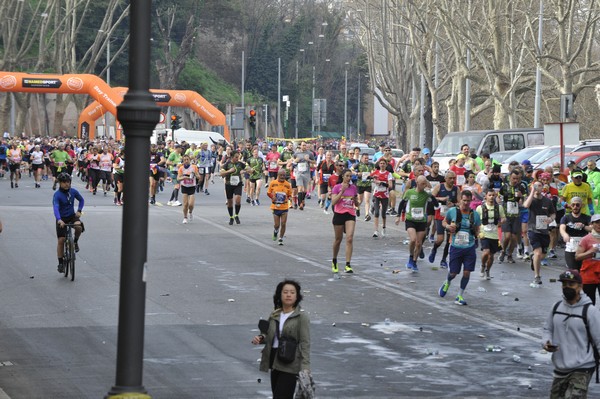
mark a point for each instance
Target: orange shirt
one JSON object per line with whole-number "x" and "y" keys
{"x": 280, "y": 193}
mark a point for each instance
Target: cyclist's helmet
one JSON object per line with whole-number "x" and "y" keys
{"x": 64, "y": 177}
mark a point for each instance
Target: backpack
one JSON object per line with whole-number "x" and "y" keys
{"x": 587, "y": 328}
{"x": 485, "y": 214}
{"x": 471, "y": 221}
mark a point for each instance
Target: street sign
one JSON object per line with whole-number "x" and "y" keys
{"x": 238, "y": 119}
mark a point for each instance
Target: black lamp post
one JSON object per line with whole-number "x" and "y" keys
{"x": 138, "y": 114}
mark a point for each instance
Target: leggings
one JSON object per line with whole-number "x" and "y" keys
{"x": 383, "y": 202}
{"x": 590, "y": 290}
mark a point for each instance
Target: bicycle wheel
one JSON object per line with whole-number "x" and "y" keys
{"x": 67, "y": 257}
{"x": 70, "y": 266}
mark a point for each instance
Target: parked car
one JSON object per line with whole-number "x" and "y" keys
{"x": 397, "y": 154}
{"x": 580, "y": 159}
{"x": 520, "y": 156}
{"x": 549, "y": 152}
{"x": 501, "y": 156}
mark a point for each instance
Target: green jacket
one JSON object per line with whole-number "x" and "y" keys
{"x": 594, "y": 182}
{"x": 296, "y": 326}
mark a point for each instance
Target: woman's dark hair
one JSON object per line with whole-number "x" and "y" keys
{"x": 277, "y": 297}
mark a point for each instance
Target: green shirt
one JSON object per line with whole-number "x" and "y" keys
{"x": 365, "y": 169}
{"x": 174, "y": 160}
{"x": 235, "y": 178}
{"x": 59, "y": 156}
{"x": 416, "y": 205}
{"x": 257, "y": 165}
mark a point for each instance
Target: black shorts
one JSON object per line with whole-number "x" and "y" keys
{"x": 253, "y": 181}
{"x": 537, "y": 240}
{"x": 279, "y": 212}
{"x": 105, "y": 175}
{"x": 293, "y": 182}
{"x": 230, "y": 190}
{"x": 418, "y": 226}
{"x": 14, "y": 167}
{"x": 273, "y": 175}
{"x": 491, "y": 244}
{"x": 340, "y": 219}
{"x": 323, "y": 188}
{"x": 439, "y": 227}
{"x": 364, "y": 189}
{"x": 62, "y": 231}
{"x": 36, "y": 166}
{"x": 119, "y": 177}
{"x": 205, "y": 170}
{"x": 512, "y": 225}
{"x": 188, "y": 190}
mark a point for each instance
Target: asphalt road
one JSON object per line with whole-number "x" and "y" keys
{"x": 380, "y": 333}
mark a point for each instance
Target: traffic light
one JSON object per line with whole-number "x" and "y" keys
{"x": 252, "y": 119}
{"x": 175, "y": 122}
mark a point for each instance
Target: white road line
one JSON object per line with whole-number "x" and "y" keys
{"x": 3, "y": 394}
{"x": 390, "y": 287}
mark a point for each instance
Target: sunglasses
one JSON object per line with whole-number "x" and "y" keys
{"x": 577, "y": 177}
{"x": 575, "y": 204}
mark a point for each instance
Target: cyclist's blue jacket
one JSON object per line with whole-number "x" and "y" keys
{"x": 63, "y": 203}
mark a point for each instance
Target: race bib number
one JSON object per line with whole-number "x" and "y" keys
{"x": 280, "y": 197}
{"x": 365, "y": 176}
{"x": 489, "y": 227}
{"x": 541, "y": 222}
{"x": 443, "y": 210}
{"x": 462, "y": 238}
{"x": 326, "y": 177}
{"x": 573, "y": 244}
{"x": 302, "y": 167}
{"x": 273, "y": 165}
{"x": 434, "y": 184}
{"x": 234, "y": 180}
{"x": 188, "y": 182}
{"x": 512, "y": 208}
{"x": 417, "y": 213}
{"x": 460, "y": 180}
{"x": 348, "y": 203}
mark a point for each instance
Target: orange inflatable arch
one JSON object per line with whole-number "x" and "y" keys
{"x": 66, "y": 84}
{"x": 173, "y": 98}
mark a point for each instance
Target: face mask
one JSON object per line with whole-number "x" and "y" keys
{"x": 186, "y": 165}
{"x": 569, "y": 293}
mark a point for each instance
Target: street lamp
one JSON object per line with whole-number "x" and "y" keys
{"x": 346, "y": 98}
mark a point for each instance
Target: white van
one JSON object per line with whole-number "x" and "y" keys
{"x": 189, "y": 136}
{"x": 486, "y": 141}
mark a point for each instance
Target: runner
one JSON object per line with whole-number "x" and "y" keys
{"x": 325, "y": 169}
{"x": 492, "y": 216}
{"x": 119, "y": 177}
{"x": 382, "y": 180}
{"x": 279, "y": 191}
{"x": 106, "y": 161}
{"x": 59, "y": 158}
{"x": 415, "y": 203}
{"x": 463, "y": 224}
{"x": 173, "y": 161}
{"x": 344, "y": 198}
{"x": 511, "y": 194}
{"x": 257, "y": 170}
{"x": 37, "y": 164}
{"x": 304, "y": 160}
{"x": 363, "y": 171}
{"x": 232, "y": 172}
{"x": 447, "y": 195}
{"x": 573, "y": 227}
{"x": 187, "y": 176}
{"x": 204, "y": 162}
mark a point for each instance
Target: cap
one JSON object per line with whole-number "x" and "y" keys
{"x": 577, "y": 173}
{"x": 555, "y": 171}
{"x": 570, "y": 275}
{"x": 595, "y": 218}
{"x": 570, "y": 163}
{"x": 460, "y": 156}
{"x": 526, "y": 162}
{"x": 426, "y": 151}
{"x": 529, "y": 169}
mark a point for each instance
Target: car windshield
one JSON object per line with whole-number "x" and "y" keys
{"x": 501, "y": 156}
{"x": 397, "y": 153}
{"x": 556, "y": 158}
{"x": 450, "y": 145}
{"x": 547, "y": 153}
{"x": 525, "y": 153}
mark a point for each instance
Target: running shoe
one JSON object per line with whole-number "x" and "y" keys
{"x": 551, "y": 254}
{"x": 482, "y": 272}
{"x": 231, "y": 220}
{"x": 237, "y": 220}
{"x": 444, "y": 289}
{"x": 538, "y": 280}
{"x": 206, "y": 192}
{"x": 257, "y": 202}
{"x": 444, "y": 264}
{"x": 295, "y": 206}
{"x": 410, "y": 265}
{"x": 431, "y": 239}
{"x": 432, "y": 255}
{"x": 415, "y": 268}
{"x": 510, "y": 259}
{"x": 459, "y": 300}
{"x": 544, "y": 262}
{"x": 487, "y": 275}
{"x": 393, "y": 213}
{"x": 185, "y": 221}
{"x": 421, "y": 254}
{"x": 501, "y": 257}
{"x": 152, "y": 201}
{"x": 248, "y": 199}
{"x": 308, "y": 196}
{"x": 334, "y": 267}
{"x": 61, "y": 268}
{"x": 383, "y": 232}
{"x": 375, "y": 234}
{"x": 302, "y": 206}
{"x": 526, "y": 256}
{"x": 325, "y": 211}
{"x": 76, "y": 246}
{"x": 348, "y": 269}
{"x": 190, "y": 217}
{"x": 280, "y": 241}
{"x": 169, "y": 203}
{"x": 367, "y": 218}
{"x": 520, "y": 254}
{"x": 53, "y": 186}
{"x": 176, "y": 203}
{"x": 275, "y": 233}
{"x": 253, "y": 203}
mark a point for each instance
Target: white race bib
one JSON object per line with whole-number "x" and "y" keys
{"x": 460, "y": 180}
{"x": 541, "y": 222}
{"x": 326, "y": 177}
{"x": 573, "y": 244}
{"x": 512, "y": 208}
{"x": 443, "y": 210}
{"x": 461, "y": 238}
{"x": 489, "y": 227}
{"x": 234, "y": 180}
{"x": 417, "y": 213}
{"x": 302, "y": 167}
{"x": 365, "y": 176}
{"x": 273, "y": 164}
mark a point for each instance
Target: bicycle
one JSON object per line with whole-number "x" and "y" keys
{"x": 69, "y": 252}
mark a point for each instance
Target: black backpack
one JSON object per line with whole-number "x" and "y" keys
{"x": 471, "y": 221}
{"x": 484, "y": 214}
{"x": 587, "y": 328}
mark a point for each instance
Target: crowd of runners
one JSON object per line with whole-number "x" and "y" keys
{"x": 472, "y": 214}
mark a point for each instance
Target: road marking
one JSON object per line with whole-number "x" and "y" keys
{"x": 3, "y": 394}
{"x": 388, "y": 286}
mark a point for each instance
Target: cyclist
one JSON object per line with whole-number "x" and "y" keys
{"x": 63, "y": 203}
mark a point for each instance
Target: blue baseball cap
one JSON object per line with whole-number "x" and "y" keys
{"x": 526, "y": 162}
{"x": 426, "y": 151}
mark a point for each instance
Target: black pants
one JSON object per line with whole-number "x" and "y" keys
{"x": 590, "y": 290}
{"x": 283, "y": 384}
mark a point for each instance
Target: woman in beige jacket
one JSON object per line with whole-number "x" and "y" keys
{"x": 292, "y": 323}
